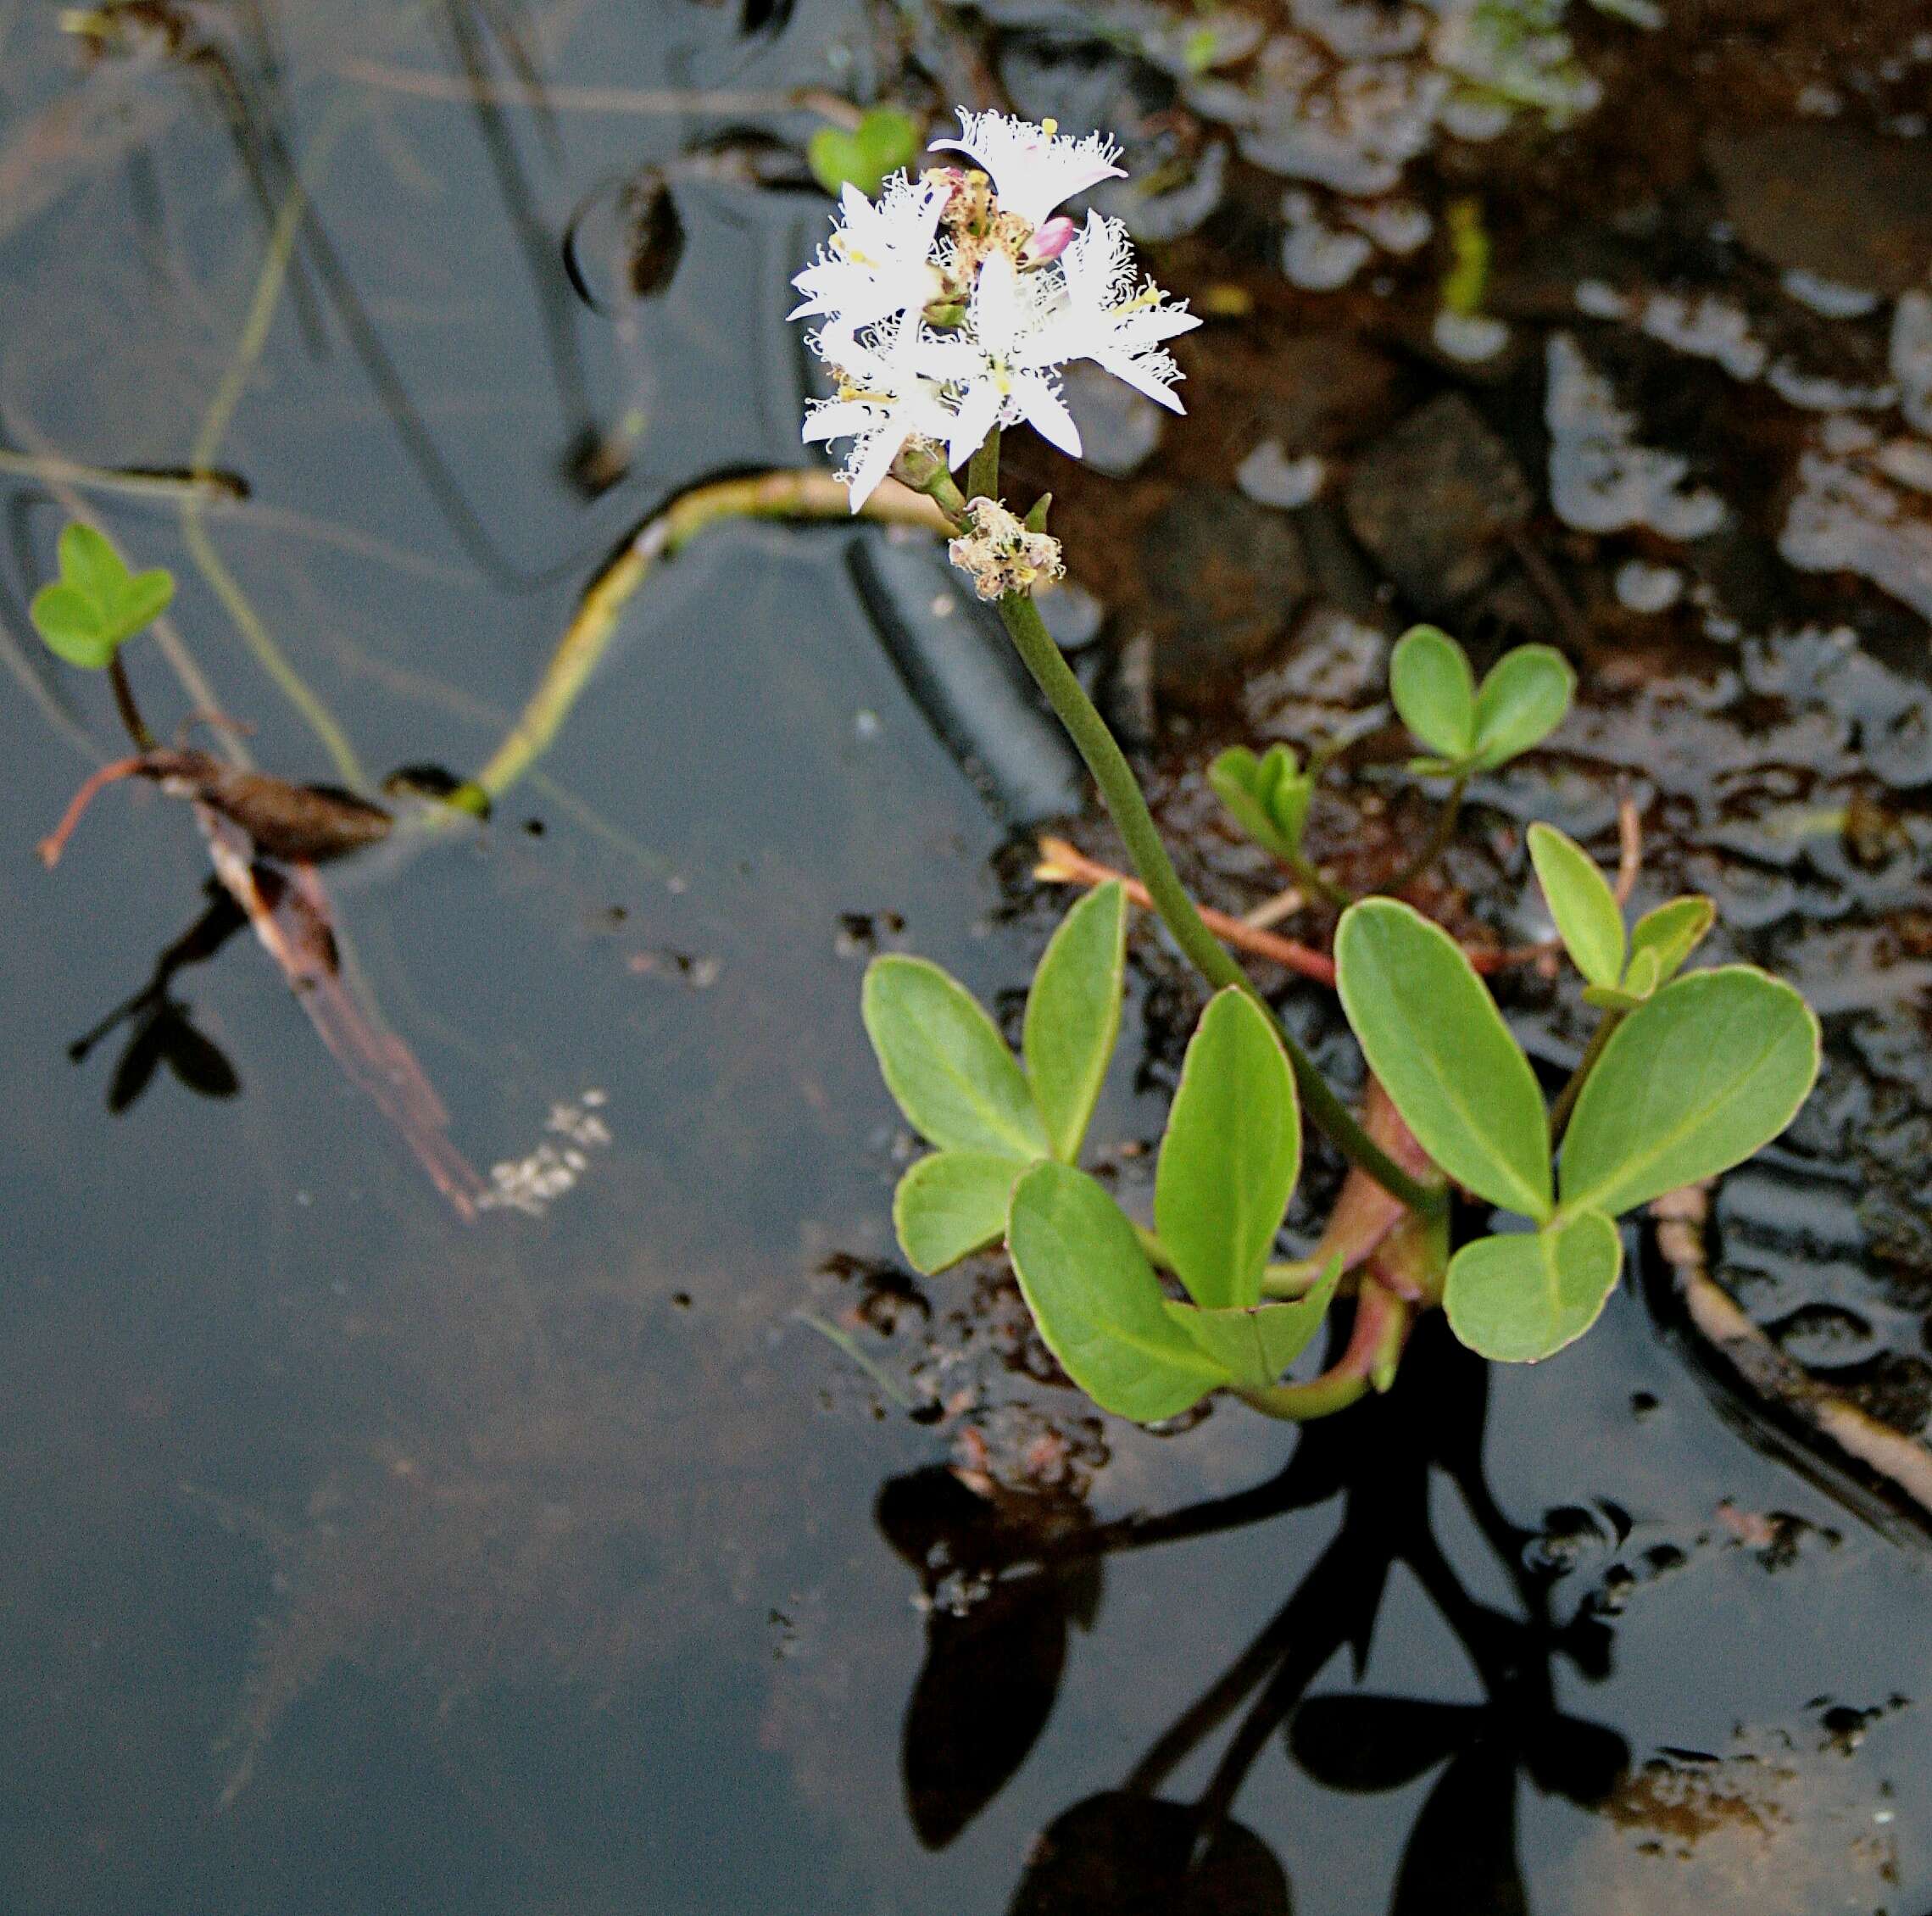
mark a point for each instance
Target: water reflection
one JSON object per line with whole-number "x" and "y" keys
{"x": 160, "y": 1028}
{"x": 1006, "y": 1582}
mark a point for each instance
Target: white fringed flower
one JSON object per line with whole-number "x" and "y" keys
{"x": 999, "y": 366}
{"x": 883, "y": 401}
{"x": 949, "y": 308}
{"x": 1114, "y": 320}
{"x": 1033, "y": 169}
{"x": 879, "y": 261}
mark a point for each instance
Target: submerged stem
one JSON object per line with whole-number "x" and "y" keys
{"x": 255, "y": 634}
{"x": 790, "y": 494}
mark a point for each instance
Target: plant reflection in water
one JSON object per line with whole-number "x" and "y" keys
{"x": 1005, "y": 1588}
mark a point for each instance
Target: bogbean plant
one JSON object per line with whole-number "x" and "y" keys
{"x": 946, "y": 311}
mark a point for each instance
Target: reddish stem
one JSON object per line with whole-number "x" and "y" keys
{"x": 1066, "y": 864}
{"x": 55, "y": 842}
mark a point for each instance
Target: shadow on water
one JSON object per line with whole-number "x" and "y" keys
{"x": 161, "y": 1028}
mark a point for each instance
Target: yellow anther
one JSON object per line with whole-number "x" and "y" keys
{"x": 1049, "y": 127}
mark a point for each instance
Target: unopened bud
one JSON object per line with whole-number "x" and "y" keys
{"x": 919, "y": 463}
{"x": 1051, "y": 241}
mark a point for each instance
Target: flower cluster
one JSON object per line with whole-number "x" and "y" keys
{"x": 949, "y": 306}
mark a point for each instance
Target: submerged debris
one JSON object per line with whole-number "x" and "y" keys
{"x": 1600, "y": 479}
{"x": 309, "y": 823}
{"x": 1864, "y": 507}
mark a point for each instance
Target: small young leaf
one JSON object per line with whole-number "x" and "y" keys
{"x": 89, "y": 562}
{"x": 1524, "y": 699}
{"x": 1096, "y": 1299}
{"x": 1433, "y": 1035}
{"x": 95, "y": 607}
{"x": 1434, "y": 691}
{"x": 1229, "y": 1158}
{"x": 1267, "y": 797}
{"x": 950, "y": 1205}
{"x": 143, "y": 599}
{"x": 1256, "y": 1345}
{"x": 1674, "y": 932}
{"x": 70, "y": 624}
{"x": 1520, "y": 1298}
{"x": 1697, "y": 1079}
{"x": 1073, "y": 1015}
{"x": 883, "y": 142}
{"x": 1644, "y": 973}
{"x": 1588, "y": 916}
{"x": 891, "y": 141}
{"x": 945, "y": 1063}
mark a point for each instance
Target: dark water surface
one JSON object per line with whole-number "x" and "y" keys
{"x": 362, "y": 1559}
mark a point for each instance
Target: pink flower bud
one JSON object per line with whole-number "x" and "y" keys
{"x": 1051, "y": 241}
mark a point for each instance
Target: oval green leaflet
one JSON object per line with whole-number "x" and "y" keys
{"x": 1432, "y": 1034}
{"x": 1523, "y": 700}
{"x": 945, "y": 1062}
{"x": 1696, "y": 1079}
{"x": 1589, "y": 919}
{"x": 1073, "y": 1016}
{"x": 1230, "y": 1155}
{"x": 1097, "y": 1302}
{"x": 1434, "y": 691}
{"x": 951, "y": 1204}
{"x": 1520, "y": 1297}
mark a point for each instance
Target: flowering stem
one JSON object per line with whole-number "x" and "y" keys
{"x": 983, "y": 470}
{"x": 1121, "y": 792}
